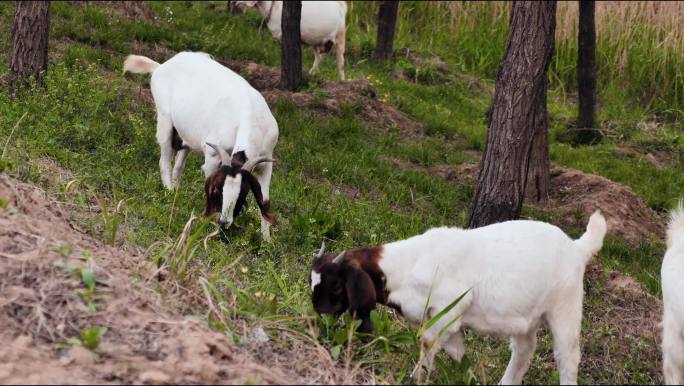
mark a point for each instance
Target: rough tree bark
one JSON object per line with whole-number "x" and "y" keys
{"x": 387, "y": 23}
{"x": 28, "y": 54}
{"x": 290, "y": 48}
{"x": 586, "y": 73}
{"x": 518, "y": 91}
{"x": 539, "y": 173}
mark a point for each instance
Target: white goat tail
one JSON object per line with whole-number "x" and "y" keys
{"x": 139, "y": 64}
{"x": 592, "y": 240}
{"x": 343, "y": 4}
{"x": 675, "y": 228}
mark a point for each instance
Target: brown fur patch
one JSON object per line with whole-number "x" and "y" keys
{"x": 356, "y": 283}
{"x": 368, "y": 259}
{"x": 213, "y": 190}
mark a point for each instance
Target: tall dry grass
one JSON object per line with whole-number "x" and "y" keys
{"x": 640, "y": 45}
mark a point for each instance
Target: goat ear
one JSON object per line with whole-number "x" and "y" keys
{"x": 361, "y": 297}
{"x": 256, "y": 190}
{"x": 213, "y": 192}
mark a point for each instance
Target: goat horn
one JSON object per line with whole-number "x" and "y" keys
{"x": 321, "y": 251}
{"x": 223, "y": 155}
{"x": 251, "y": 164}
{"x": 339, "y": 258}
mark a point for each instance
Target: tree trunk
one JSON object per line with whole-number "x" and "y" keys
{"x": 290, "y": 48}
{"x": 28, "y": 54}
{"x": 539, "y": 174}
{"x": 518, "y": 92}
{"x": 586, "y": 73}
{"x": 387, "y": 23}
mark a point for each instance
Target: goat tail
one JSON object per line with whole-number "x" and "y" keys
{"x": 592, "y": 239}
{"x": 139, "y": 64}
{"x": 343, "y": 4}
{"x": 675, "y": 228}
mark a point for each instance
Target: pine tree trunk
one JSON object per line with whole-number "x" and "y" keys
{"x": 520, "y": 83}
{"x": 290, "y": 48}
{"x": 539, "y": 174}
{"x": 586, "y": 73}
{"x": 28, "y": 54}
{"x": 387, "y": 23}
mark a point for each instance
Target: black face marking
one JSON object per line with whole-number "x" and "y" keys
{"x": 213, "y": 188}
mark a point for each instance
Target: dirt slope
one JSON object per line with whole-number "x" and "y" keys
{"x": 574, "y": 196}
{"x": 145, "y": 342}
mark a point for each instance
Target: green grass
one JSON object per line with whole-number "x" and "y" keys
{"x": 88, "y": 119}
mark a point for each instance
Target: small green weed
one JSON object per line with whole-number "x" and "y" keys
{"x": 89, "y": 281}
{"x": 89, "y": 338}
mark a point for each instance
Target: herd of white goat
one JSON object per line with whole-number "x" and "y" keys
{"x": 511, "y": 277}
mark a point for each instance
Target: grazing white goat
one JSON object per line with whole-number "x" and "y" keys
{"x": 514, "y": 275}
{"x": 207, "y": 108}
{"x": 322, "y": 26}
{"x": 672, "y": 275}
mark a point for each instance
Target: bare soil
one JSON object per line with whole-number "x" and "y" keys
{"x": 132, "y": 10}
{"x": 330, "y": 97}
{"x": 577, "y": 195}
{"x": 574, "y": 196}
{"x": 147, "y": 339}
{"x": 623, "y": 332}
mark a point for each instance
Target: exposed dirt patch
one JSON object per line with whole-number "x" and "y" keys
{"x": 432, "y": 69}
{"x": 623, "y": 334}
{"x": 330, "y": 97}
{"x": 146, "y": 340}
{"x": 577, "y": 195}
{"x": 153, "y": 51}
{"x": 658, "y": 158}
{"x": 132, "y": 10}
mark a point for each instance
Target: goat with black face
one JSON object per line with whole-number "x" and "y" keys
{"x": 350, "y": 281}
{"x": 204, "y": 107}
{"x": 227, "y": 188}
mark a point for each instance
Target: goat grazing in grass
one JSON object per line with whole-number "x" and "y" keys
{"x": 207, "y": 108}
{"x": 515, "y": 275}
{"x": 322, "y": 25}
{"x": 672, "y": 275}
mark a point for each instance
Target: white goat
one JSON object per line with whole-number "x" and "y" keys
{"x": 672, "y": 275}
{"x": 207, "y": 108}
{"x": 322, "y": 26}
{"x": 514, "y": 275}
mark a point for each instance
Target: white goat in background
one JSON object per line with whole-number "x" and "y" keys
{"x": 672, "y": 276}
{"x": 207, "y": 108}
{"x": 323, "y": 24}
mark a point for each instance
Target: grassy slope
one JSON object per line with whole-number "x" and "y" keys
{"x": 90, "y": 121}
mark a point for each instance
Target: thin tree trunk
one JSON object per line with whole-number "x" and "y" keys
{"x": 518, "y": 92}
{"x": 387, "y": 23}
{"x": 586, "y": 73}
{"x": 290, "y": 48}
{"x": 539, "y": 174}
{"x": 28, "y": 54}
